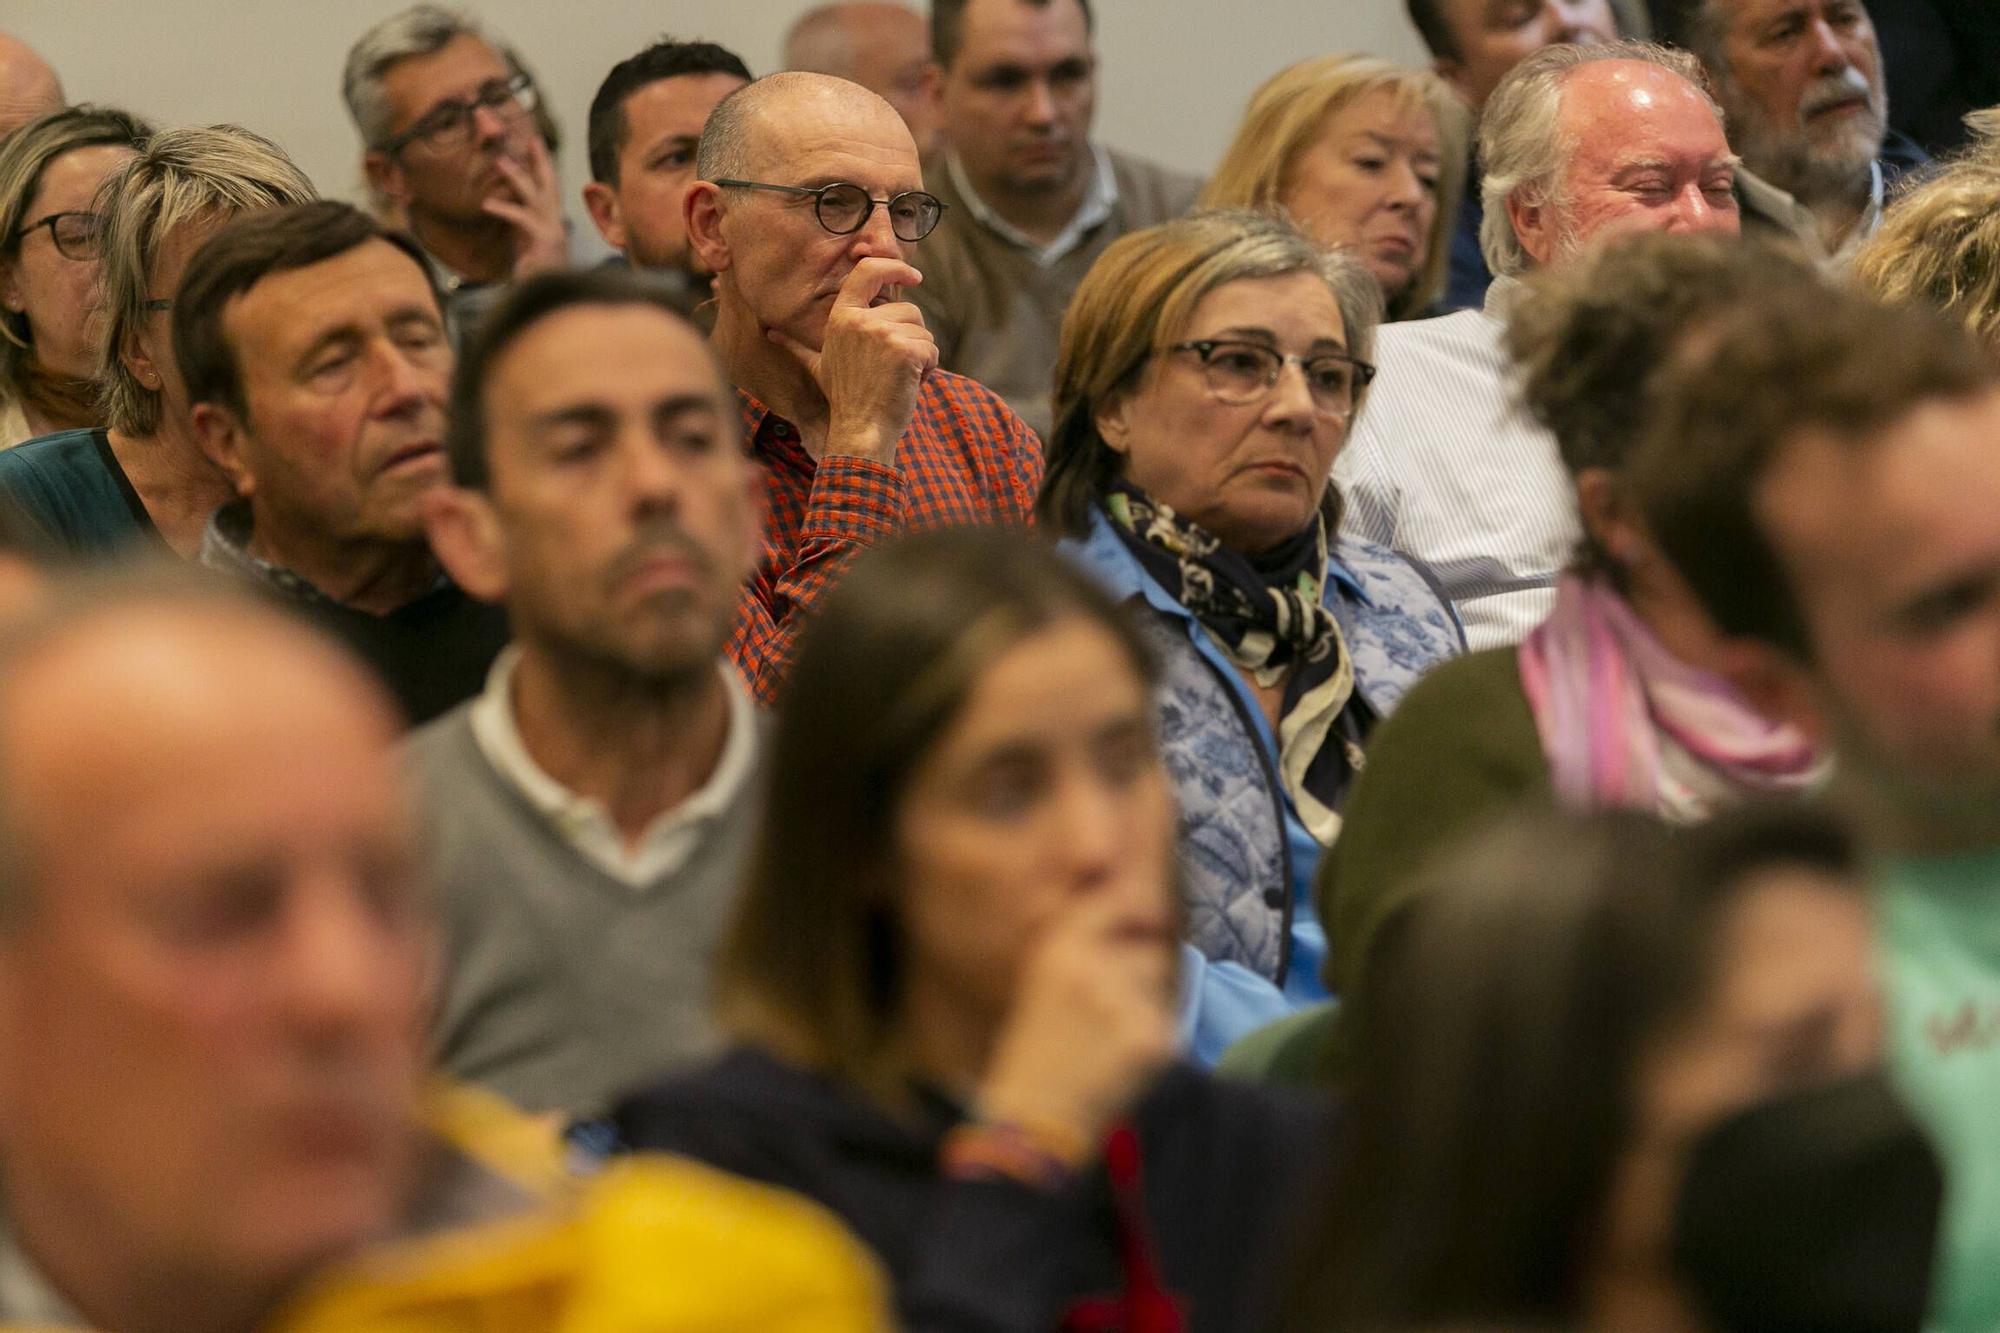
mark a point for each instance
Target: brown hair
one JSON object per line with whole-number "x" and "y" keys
{"x": 948, "y": 22}
{"x": 1590, "y": 335}
{"x": 1137, "y": 300}
{"x": 1509, "y": 1004}
{"x": 813, "y": 967}
{"x": 1806, "y": 357}
{"x": 1288, "y": 114}
{"x": 242, "y": 254}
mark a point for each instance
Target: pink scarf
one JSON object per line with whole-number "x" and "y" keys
{"x": 1604, "y": 692}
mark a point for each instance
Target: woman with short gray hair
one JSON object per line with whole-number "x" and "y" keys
{"x": 143, "y": 478}
{"x": 1208, "y": 373}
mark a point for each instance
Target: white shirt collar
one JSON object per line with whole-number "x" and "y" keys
{"x": 583, "y": 822}
{"x": 1099, "y": 194}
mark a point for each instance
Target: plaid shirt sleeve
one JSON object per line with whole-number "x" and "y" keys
{"x": 853, "y": 504}
{"x": 965, "y": 459}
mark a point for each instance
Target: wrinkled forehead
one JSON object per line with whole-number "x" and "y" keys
{"x": 1614, "y": 108}
{"x": 455, "y": 72}
{"x": 816, "y": 140}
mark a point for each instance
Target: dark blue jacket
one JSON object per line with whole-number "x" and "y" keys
{"x": 1233, "y": 1177}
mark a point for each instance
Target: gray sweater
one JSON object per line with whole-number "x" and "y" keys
{"x": 563, "y": 987}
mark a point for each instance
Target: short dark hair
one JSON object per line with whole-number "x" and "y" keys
{"x": 948, "y": 25}
{"x": 664, "y": 59}
{"x": 243, "y": 253}
{"x": 1590, "y": 335}
{"x": 1809, "y": 357}
{"x": 524, "y": 306}
{"x": 1435, "y": 28}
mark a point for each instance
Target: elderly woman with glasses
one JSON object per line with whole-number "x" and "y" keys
{"x": 141, "y": 478}
{"x": 50, "y": 171}
{"x": 1209, "y": 371}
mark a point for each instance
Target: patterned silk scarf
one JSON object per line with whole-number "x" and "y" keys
{"x": 1268, "y": 617}
{"x": 1607, "y": 697}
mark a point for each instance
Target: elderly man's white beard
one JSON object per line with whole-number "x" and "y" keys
{"x": 1831, "y": 163}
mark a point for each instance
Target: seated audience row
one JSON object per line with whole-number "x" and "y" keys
{"x": 1034, "y": 830}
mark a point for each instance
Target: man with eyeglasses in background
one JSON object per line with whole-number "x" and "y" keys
{"x": 809, "y": 201}
{"x": 1034, "y": 200}
{"x": 452, "y": 144}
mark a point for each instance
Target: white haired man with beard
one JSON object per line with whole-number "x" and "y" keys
{"x": 1801, "y": 81}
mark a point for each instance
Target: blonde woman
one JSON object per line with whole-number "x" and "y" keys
{"x": 142, "y": 479}
{"x": 1363, "y": 154}
{"x": 1940, "y": 244}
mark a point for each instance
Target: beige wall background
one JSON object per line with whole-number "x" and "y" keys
{"x": 1176, "y": 73}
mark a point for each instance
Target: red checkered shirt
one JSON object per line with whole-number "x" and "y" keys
{"x": 965, "y": 459}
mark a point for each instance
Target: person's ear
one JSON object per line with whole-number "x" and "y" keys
{"x": 386, "y": 176}
{"x": 702, "y": 210}
{"x": 1608, "y": 518}
{"x": 11, "y": 295}
{"x": 220, "y": 436}
{"x": 1114, "y": 423}
{"x": 467, "y": 539}
{"x": 1772, "y": 683}
{"x": 138, "y": 361}
{"x": 601, "y": 201}
{"x": 1534, "y": 224}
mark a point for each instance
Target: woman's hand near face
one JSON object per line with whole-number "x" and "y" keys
{"x": 1092, "y": 1023}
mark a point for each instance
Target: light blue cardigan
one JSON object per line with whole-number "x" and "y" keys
{"x": 1254, "y": 944}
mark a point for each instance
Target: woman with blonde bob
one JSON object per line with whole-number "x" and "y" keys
{"x": 1208, "y": 373}
{"x": 50, "y": 172}
{"x": 951, "y": 972}
{"x": 1362, "y": 154}
{"x": 143, "y": 479}
{"x": 1940, "y": 244}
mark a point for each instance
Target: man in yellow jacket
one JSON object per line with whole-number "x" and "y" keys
{"x": 215, "y": 952}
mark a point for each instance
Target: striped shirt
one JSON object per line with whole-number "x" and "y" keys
{"x": 964, "y": 459}
{"x": 1445, "y": 466}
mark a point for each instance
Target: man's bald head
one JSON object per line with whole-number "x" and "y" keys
{"x": 155, "y": 664}
{"x": 763, "y": 121}
{"x": 212, "y": 968}
{"x": 28, "y": 85}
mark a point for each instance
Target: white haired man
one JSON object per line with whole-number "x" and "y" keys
{"x": 1445, "y": 466}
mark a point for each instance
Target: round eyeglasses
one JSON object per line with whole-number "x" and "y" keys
{"x": 1246, "y": 372}
{"x": 843, "y": 208}
{"x": 447, "y": 127}
{"x": 75, "y": 234}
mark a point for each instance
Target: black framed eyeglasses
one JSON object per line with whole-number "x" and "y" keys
{"x": 1246, "y": 372}
{"x": 448, "y": 125}
{"x": 843, "y": 207}
{"x": 75, "y": 234}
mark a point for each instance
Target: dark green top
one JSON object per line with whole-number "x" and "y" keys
{"x": 1459, "y": 752}
{"x": 70, "y": 485}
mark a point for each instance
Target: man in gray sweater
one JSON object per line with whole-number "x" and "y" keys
{"x": 593, "y": 806}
